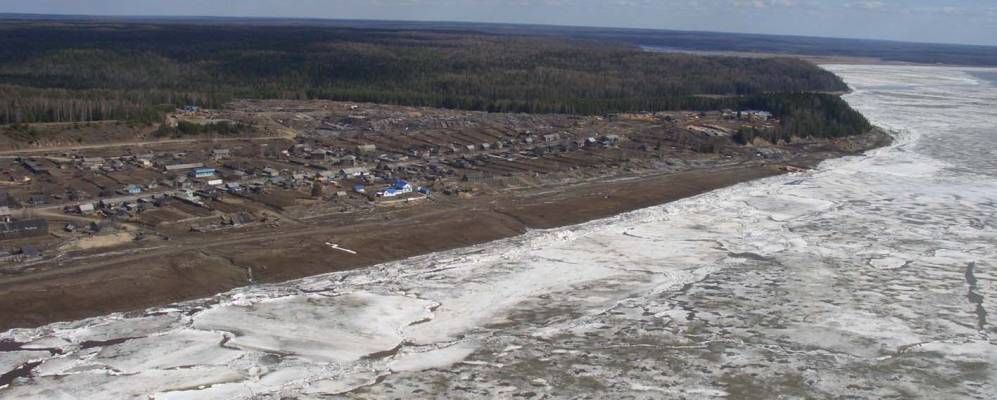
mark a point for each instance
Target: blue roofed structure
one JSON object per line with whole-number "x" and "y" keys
{"x": 204, "y": 172}
{"x": 400, "y": 187}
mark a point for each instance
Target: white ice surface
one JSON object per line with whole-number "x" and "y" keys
{"x": 324, "y": 329}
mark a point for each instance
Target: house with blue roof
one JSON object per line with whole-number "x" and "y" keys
{"x": 399, "y": 188}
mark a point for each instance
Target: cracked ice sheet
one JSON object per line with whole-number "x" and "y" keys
{"x": 325, "y": 329}
{"x": 436, "y": 358}
{"x": 105, "y": 386}
{"x": 12, "y": 359}
{"x": 186, "y": 348}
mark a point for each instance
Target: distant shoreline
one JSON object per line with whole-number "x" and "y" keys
{"x": 829, "y": 60}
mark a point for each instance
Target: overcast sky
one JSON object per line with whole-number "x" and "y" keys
{"x": 949, "y": 21}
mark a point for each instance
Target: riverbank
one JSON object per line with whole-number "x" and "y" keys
{"x": 135, "y": 279}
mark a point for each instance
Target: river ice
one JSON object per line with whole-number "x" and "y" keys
{"x": 869, "y": 277}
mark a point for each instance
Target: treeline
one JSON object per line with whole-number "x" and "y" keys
{"x": 804, "y": 115}
{"x": 30, "y": 104}
{"x": 87, "y": 71}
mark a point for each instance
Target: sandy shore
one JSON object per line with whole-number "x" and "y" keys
{"x": 146, "y": 277}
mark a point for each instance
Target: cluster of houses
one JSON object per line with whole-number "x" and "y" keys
{"x": 121, "y": 208}
{"x": 537, "y": 143}
{"x": 194, "y": 183}
{"x": 362, "y": 164}
{"x": 435, "y": 162}
{"x": 190, "y": 178}
{"x": 365, "y": 166}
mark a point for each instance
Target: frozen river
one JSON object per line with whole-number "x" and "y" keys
{"x": 870, "y": 277}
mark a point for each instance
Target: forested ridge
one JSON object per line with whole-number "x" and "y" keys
{"x": 77, "y": 71}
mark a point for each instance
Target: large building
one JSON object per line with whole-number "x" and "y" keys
{"x": 34, "y": 166}
{"x": 183, "y": 167}
{"x": 23, "y": 229}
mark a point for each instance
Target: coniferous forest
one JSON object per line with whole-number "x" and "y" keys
{"x": 67, "y": 71}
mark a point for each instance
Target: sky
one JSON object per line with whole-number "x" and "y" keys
{"x": 944, "y": 21}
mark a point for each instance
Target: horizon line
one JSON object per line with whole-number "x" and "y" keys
{"x": 41, "y": 16}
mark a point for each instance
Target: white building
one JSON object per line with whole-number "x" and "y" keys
{"x": 353, "y": 171}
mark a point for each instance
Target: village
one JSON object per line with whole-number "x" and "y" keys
{"x": 305, "y": 162}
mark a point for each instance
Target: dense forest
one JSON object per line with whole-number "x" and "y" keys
{"x": 805, "y": 114}
{"x": 82, "y": 71}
